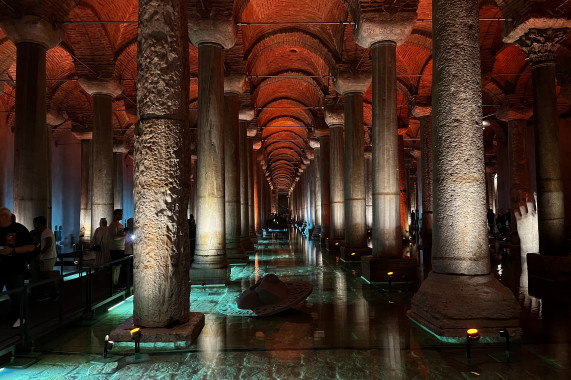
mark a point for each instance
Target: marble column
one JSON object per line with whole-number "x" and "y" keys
{"x": 490, "y": 187}
{"x": 118, "y": 178}
{"x": 162, "y": 167}
{"x": 192, "y": 198}
{"x": 251, "y": 174}
{"x": 460, "y": 291}
{"x": 314, "y": 143}
{"x": 256, "y": 144}
{"x": 32, "y": 37}
{"x": 86, "y": 182}
{"x": 369, "y": 187}
{"x": 211, "y": 37}
{"x": 103, "y": 171}
{"x": 245, "y": 241}
{"x": 540, "y": 46}
{"x": 334, "y": 118}
{"x": 353, "y": 87}
{"x": 233, "y": 87}
{"x": 324, "y": 174}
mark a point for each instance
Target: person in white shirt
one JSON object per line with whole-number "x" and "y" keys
{"x": 48, "y": 253}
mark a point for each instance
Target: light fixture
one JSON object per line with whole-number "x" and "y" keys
{"x": 136, "y": 335}
{"x": 472, "y": 335}
{"x": 504, "y": 333}
{"x": 485, "y": 123}
{"x": 107, "y": 346}
{"x": 390, "y": 274}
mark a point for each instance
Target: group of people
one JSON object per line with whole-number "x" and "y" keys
{"x": 112, "y": 242}
{"x": 25, "y": 254}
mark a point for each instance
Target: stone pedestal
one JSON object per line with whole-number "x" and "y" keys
{"x": 449, "y": 304}
{"x": 375, "y": 269}
{"x": 186, "y": 332}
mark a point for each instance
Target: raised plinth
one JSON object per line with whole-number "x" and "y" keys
{"x": 334, "y": 245}
{"x": 187, "y": 332}
{"x": 354, "y": 254}
{"x": 208, "y": 276}
{"x": 448, "y": 305}
{"x": 375, "y": 269}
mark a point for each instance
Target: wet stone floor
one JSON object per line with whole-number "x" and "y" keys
{"x": 346, "y": 329}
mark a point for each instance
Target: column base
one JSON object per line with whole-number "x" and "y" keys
{"x": 236, "y": 255}
{"x": 210, "y": 276}
{"x": 354, "y": 254}
{"x": 333, "y": 245}
{"x": 375, "y": 269}
{"x": 447, "y": 305}
{"x": 549, "y": 276}
{"x": 186, "y": 332}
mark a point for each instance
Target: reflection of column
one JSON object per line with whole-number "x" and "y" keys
{"x": 31, "y": 155}
{"x": 211, "y": 38}
{"x": 540, "y": 46}
{"x": 324, "y": 174}
{"x": 162, "y": 166}
{"x": 103, "y": 195}
{"x": 334, "y": 119}
{"x": 352, "y": 87}
{"x": 460, "y": 290}
{"x": 233, "y": 87}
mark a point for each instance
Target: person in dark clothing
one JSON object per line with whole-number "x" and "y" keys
{"x": 15, "y": 245}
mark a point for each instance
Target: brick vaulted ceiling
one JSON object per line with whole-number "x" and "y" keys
{"x": 288, "y": 49}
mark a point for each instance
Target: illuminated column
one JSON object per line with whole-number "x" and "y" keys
{"x": 353, "y": 87}
{"x": 369, "y": 187}
{"x": 32, "y": 36}
{"x": 118, "y": 151}
{"x": 334, "y": 118}
{"x": 245, "y": 241}
{"x": 314, "y": 143}
{"x": 86, "y": 178}
{"x": 251, "y": 191}
{"x": 233, "y": 87}
{"x": 211, "y": 36}
{"x": 103, "y": 170}
{"x": 460, "y": 291}
{"x": 540, "y": 45}
{"x": 324, "y": 174}
{"x": 256, "y": 145}
{"x": 162, "y": 167}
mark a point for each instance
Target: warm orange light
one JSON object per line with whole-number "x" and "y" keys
{"x": 472, "y": 331}
{"x": 135, "y": 331}
{"x": 390, "y": 273}
{"x": 473, "y": 334}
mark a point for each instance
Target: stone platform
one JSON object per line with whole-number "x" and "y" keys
{"x": 448, "y": 305}
{"x": 187, "y": 332}
{"x": 354, "y": 254}
{"x": 375, "y": 269}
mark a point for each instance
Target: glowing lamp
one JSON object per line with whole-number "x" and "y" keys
{"x": 108, "y": 345}
{"x": 472, "y": 335}
{"x": 352, "y": 253}
{"x": 336, "y": 243}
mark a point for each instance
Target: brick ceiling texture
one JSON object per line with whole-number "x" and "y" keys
{"x": 289, "y": 50}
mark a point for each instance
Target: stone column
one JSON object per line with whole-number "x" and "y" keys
{"x": 233, "y": 87}
{"x": 540, "y": 46}
{"x": 192, "y": 200}
{"x": 103, "y": 195}
{"x": 162, "y": 167}
{"x": 334, "y": 118}
{"x": 86, "y": 178}
{"x": 32, "y": 37}
{"x": 211, "y": 37}
{"x": 314, "y": 143}
{"x": 244, "y": 149}
{"x": 256, "y": 145}
{"x": 251, "y": 175}
{"x": 460, "y": 291}
{"x": 118, "y": 178}
{"x": 353, "y": 87}
{"x": 324, "y": 174}
{"x": 490, "y": 188}
{"x": 369, "y": 187}
{"x": 404, "y": 210}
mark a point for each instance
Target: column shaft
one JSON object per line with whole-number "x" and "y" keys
{"x": 102, "y": 197}
{"x": 244, "y": 196}
{"x": 31, "y": 156}
{"x": 317, "y": 192}
{"x": 387, "y": 230}
{"x": 324, "y": 173}
{"x": 210, "y": 219}
{"x": 354, "y": 172}
{"x": 336, "y": 182}
{"x": 118, "y": 180}
{"x": 426, "y": 170}
{"x": 86, "y": 181}
{"x": 251, "y": 208}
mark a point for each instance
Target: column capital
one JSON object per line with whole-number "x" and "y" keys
{"x": 246, "y": 113}
{"x": 119, "y": 146}
{"x": 334, "y": 116}
{"x": 214, "y": 29}
{"x": 101, "y": 87}
{"x": 54, "y": 117}
{"x": 393, "y": 23}
{"x": 346, "y": 82}
{"x": 235, "y": 84}
{"x": 32, "y": 29}
{"x": 421, "y": 110}
{"x": 539, "y": 45}
{"x": 314, "y": 143}
{"x": 256, "y": 144}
